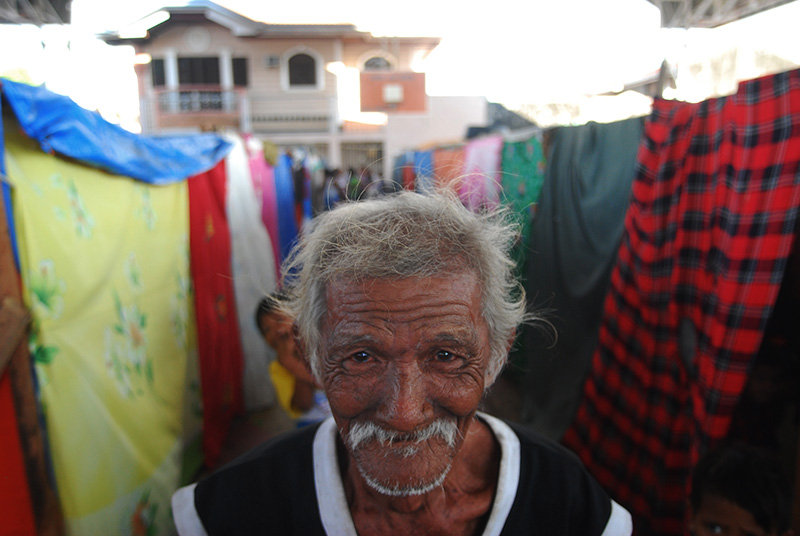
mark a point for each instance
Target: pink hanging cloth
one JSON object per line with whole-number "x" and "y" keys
{"x": 480, "y": 185}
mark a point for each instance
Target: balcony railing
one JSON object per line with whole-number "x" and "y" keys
{"x": 197, "y": 100}
{"x": 211, "y": 107}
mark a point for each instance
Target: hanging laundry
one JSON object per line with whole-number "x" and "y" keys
{"x": 108, "y": 285}
{"x": 448, "y": 166}
{"x": 423, "y": 171}
{"x": 284, "y": 194}
{"x": 572, "y": 248}
{"x": 521, "y": 180}
{"x": 707, "y": 236}
{"x": 219, "y": 343}
{"x": 253, "y": 275}
{"x": 480, "y": 185}
{"x": 264, "y": 174}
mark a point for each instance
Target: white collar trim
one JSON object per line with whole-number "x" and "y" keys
{"x": 335, "y": 513}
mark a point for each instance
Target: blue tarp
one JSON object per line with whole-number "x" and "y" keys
{"x": 60, "y": 126}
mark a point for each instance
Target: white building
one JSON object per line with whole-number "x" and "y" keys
{"x": 352, "y": 98}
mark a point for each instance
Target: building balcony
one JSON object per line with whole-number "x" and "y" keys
{"x": 213, "y": 108}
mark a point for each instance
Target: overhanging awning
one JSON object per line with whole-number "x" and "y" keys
{"x": 709, "y": 13}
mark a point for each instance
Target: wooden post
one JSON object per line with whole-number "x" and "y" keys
{"x": 45, "y": 504}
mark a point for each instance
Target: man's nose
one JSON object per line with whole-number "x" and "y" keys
{"x": 405, "y": 406}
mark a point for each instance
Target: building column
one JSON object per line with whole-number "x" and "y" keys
{"x": 146, "y": 98}
{"x": 171, "y": 79}
{"x": 226, "y": 79}
{"x": 334, "y": 151}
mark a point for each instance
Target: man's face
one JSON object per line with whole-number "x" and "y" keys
{"x": 400, "y": 357}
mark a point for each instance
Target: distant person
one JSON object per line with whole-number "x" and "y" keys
{"x": 341, "y": 180}
{"x": 331, "y": 195}
{"x": 367, "y": 186}
{"x": 740, "y": 490}
{"x": 353, "y": 185}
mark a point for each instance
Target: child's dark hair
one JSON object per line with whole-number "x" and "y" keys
{"x": 750, "y": 477}
{"x": 268, "y": 304}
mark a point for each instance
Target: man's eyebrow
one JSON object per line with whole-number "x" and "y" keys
{"x": 462, "y": 338}
{"x": 344, "y": 338}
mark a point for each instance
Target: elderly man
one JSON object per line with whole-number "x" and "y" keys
{"x": 405, "y": 308}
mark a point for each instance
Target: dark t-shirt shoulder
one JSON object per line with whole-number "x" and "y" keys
{"x": 556, "y": 495}
{"x": 269, "y": 490}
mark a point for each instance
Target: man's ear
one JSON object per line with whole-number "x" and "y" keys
{"x": 299, "y": 343}
{"x": 511, "y": 339}
{"x": 302, "y": 349}
{"x": 302, "y": 353}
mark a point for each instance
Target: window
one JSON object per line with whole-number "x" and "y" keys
{"x": 377, "y": 63}
{"x": 198, "y": 71}
{"x": 302, "y": 70}
{"x": 240, "y": 72}
{"x": 157, "y": 73}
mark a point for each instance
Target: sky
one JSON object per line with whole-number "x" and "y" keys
{"x": 500, "y": 49}
{"x": 511, "y": 51}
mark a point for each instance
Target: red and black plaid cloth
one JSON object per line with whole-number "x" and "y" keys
{"x": 707, "y": 237}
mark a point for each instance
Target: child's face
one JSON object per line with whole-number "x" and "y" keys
{"x": 720, "y": 516}
{"x": 275, "y": 328}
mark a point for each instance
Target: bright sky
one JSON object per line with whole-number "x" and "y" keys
{"x": 536, "y": 51}
{"x": 499, "y": 49}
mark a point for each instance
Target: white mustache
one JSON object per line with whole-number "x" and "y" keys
{"x": 362, "y": 432}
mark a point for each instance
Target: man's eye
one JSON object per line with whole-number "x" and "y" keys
{"x": 360, "y": 357}
{"x": 714, "y": 528}
{"x": 443, "y": 356}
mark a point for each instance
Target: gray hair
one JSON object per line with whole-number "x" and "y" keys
{"x": 406, "y": 235}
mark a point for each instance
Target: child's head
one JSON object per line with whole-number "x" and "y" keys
{"x": 740, "y": 490}
{"x": 275, "y": 325}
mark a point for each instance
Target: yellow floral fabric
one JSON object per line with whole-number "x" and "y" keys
{"x": 105, "y": 268}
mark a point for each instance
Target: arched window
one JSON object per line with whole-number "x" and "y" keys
{"x": 377, "y": 63}
{"x": 302, "y": 71}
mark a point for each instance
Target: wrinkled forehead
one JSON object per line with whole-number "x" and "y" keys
{"x": 393, "y": 288}
{"x": 415, "y": 302}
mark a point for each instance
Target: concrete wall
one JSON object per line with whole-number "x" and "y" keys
{"x": 447, "y": 121}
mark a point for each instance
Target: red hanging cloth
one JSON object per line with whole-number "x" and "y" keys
{"x": 707, "y": 236}
{"x": 219, "y": 345}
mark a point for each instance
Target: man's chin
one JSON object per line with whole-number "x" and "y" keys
{"x": 403, "y": 470}
{"x": 406, "y": 486}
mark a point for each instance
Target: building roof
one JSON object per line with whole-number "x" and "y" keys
{"x": 239, "y": 25}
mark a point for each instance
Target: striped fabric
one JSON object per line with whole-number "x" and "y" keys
{"x": 706, "y": 242}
